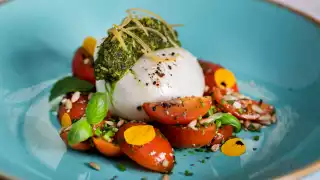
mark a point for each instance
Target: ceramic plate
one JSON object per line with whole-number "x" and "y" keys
{"x": 273, "y": 52}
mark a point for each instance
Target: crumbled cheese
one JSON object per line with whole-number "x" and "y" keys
{"x": 152, "y": 153}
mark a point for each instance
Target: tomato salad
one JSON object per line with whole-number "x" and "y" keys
{"x": 89, "y": 120}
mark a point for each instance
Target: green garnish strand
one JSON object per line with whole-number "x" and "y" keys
{"x": 98, "y": 132}
{"x": 121, "y": 167}
{"x": 256, "y": 138}
{"x": 191, "y": 152}
{"x": 188, "y": 173}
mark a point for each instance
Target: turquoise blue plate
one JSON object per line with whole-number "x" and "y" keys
{"x": 274, "y": 53}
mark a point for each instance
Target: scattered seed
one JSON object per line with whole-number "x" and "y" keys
{"x": 120, "y": 123}
{"x": 215, "y": 147}
{"x": 94, "y": 166}
{"x": 165, "y": 177}
{"x": 89, "y": 96}
{"x": 165, "y": 163}
{"x": 75, "y": 97}
{"x": 68, "y": 104}
{"x": 273, "y": 119}
{"x": 257, "y": 109}
{"x": 86, "y": 61}
{"x": 110, "y": 123}
{"x": 266, "y": 117}
{"x": 192, "y": 125}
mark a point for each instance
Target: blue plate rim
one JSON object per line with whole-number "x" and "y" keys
{"x": 294, "y": 10}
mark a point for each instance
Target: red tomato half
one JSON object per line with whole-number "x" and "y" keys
{"x": 78, "y": 108}
{"x": 82, "y": 68}
{"x": 209, "y": 70}
{"x": 156, "y": 155}
{"x": 247, "y": 112}
{"x": 178, "y": 111}
{"x": 224, "y": 133}
{"x": 185, "y": 137}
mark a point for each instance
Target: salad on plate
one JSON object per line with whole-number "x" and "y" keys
{"x": 138, "y": 93}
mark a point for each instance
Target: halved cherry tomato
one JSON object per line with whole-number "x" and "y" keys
{"x": 83, "y": 146}
{"x": 156, "y": 155}
{"x": 78, "y": 108}
{"x": 185, "y": 137}
{"x": 224, "y": 133}
{"x": 106, "y": 148}
{"x": 246, "y": 112}
{"x": 210, "y": 69}
{"x": 178, "y": 111}
{"x": 82, "y": 68}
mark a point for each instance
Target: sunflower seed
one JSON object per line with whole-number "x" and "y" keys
{"x": 94, "y": 166}
{"x": 266, "y": 117}
{"x": 257, "y": 109}
{"x": 75, "y": 97}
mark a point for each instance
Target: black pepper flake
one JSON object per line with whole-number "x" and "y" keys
{"x": 154, "y": 83}
{"x": 223, "y": 84}
{"x": 147, "y": 84}
{"x": 158, "y": 68}
{"x": 154, "y": 108}
{"x": 239, "y": 143}
{"x": 170, "y": 74}
{"x": 260, "y": 101}
{"x": 163, "y": 54}
{"x": 169, "y": 67}
{"x": 167, "y": 59}
{"x": 172, "y": 54}
{"x": 139, "y": 108}
{"x": 191, "y": 164}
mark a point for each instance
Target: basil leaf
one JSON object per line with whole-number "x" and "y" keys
{"x": 69, "y": 84}
{"x": 97, "y": 108}
{"x": 228, "y": 119}
{"x": 79, "y": 132}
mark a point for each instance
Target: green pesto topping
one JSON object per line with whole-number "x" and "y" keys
{"x": 113, "y": 61}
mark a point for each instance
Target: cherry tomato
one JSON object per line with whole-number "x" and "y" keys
{"x": 224, "y": 133}
{"x": 217, "y": 76}
{"x": 185, "y": 137}
{"x": 78, "y": 108}
{"x": 106, "y": 148}
{"x": 246, "y": 111}
{"x": 82, "y": 66}
{"x": 178, "y": 111}
{"x": 83, "y": 146}
{"x": 156, "y": 155}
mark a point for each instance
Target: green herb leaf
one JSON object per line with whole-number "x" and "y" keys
{"x": 228, "y": 119}
{"x": 98, "y": 132}
{"x": 256, "y": 138}
{"x": 121, "y": 167}
{"x": 188, "y": 173}
{"x": 97, "y": 108}
{"x": 79, "y": 132}
{"x": 69, "y": 84}
{"x": 218, "y": 123}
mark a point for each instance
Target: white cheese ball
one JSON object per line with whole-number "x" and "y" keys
{"x": 152, "y": 81}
